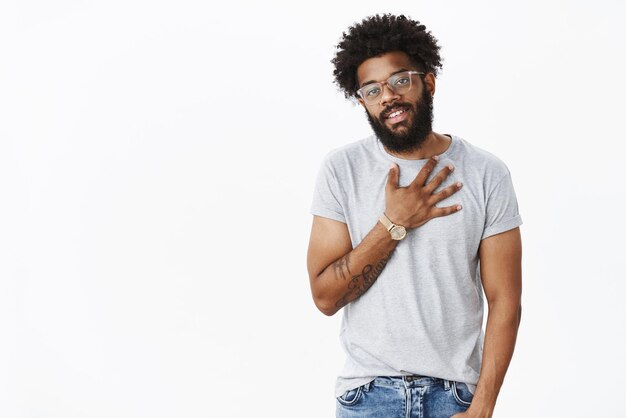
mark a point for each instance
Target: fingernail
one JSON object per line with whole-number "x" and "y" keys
{"x": 459, "y": 184}
{"x": 458, "y": 207}
{"x": 436, "y": 157}
{"x": 451, "y": 167}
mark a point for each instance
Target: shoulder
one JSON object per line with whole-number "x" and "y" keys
{"x": 491, "y": 167}
{"x": 343, "y": 156}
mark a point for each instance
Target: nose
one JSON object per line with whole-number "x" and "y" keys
{"x": 388, "y": 95}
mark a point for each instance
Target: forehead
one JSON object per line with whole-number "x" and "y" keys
{"x": 381, "y": 67}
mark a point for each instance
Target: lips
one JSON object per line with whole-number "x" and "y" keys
{"x": 394, "y": 109}
{"x": 398, "y": 118}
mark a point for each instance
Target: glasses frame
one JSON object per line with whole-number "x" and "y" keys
{"x": 382, "y": 84}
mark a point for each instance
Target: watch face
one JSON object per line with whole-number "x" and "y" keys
{"x": 398, "y": 232}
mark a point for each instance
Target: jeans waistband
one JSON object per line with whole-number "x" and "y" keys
{"x": 409, "y": 381}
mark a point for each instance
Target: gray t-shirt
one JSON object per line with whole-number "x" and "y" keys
{"x": 424, "y": 313}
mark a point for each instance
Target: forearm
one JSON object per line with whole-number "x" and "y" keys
{"x": 353, "y": 274}
{"x": 500, "y": 336}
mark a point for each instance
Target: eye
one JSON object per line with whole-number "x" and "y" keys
{"x": 401, "y": 81}
{"x": 372, "y": 92}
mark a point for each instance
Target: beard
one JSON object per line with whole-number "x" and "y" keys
{"x": 412, "y": 138}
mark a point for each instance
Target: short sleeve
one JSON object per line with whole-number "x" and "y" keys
{"x": 502, "y": 211}
{"x": 326, "y": 197}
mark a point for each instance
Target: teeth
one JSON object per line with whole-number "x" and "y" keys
{"x": 394, "y": 114}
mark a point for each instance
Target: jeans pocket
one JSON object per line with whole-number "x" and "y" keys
{"x": 351, "y": 396}
{"x": 461, "y": 393}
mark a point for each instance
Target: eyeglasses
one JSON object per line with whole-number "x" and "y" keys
{"x": 398, "y": 83}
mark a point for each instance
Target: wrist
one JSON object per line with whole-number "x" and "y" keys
{"x": 393, "y": 217}
{"x": 397, "y": 231}
{"x": 480, "y": 410}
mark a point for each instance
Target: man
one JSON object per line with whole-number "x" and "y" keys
{"x": 409, "y": 227}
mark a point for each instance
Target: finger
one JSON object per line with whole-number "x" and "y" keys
{"x": 439, "y": 178}
{"x": 421, "y": 177}
{"x": 437, "y": 212}
{"x": 447, "y": 192}
{"x": 392, "y": 178}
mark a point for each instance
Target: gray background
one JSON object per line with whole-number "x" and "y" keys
{"x": 157, "y": 162}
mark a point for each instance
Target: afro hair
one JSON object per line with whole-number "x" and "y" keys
{"x": 377, "y": 35}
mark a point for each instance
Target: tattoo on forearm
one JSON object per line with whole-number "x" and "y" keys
{"x": 338, "y": 267}
{"x": 361, "y": 282}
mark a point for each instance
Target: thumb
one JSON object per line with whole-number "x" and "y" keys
{"x": 392, "y": 177}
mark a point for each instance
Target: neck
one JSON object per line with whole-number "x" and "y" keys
{"x": 434, "y": 144}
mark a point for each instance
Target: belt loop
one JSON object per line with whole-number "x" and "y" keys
{"x": 446, "y": 384}
{"x": 367, "y": 386}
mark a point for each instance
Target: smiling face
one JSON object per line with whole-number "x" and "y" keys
{"x": 407, "y": 131}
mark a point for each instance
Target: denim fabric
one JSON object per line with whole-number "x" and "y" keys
{"x": 404, "y": 397}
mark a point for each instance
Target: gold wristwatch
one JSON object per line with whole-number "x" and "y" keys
{"x": 397, "y": 231}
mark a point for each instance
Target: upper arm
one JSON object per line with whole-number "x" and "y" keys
{"x": 501, "y": 267}
{"x": 329, "y": 241}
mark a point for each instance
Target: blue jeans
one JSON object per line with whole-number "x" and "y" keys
{"x": 405, "y": 397}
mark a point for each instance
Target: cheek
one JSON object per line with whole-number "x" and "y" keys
{"x": 413, "y": 100}
{"x": 374, "y": 113}
{"x": 414, "y": 96}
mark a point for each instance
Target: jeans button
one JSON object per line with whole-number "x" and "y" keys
{"x": 409, "y": 378}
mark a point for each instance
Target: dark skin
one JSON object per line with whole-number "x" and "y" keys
{"x": 380, "y": 69}
{"x": 339, "y": 273}
{"x": 500, "y": 255}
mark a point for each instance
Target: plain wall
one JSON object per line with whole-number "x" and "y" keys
{"x": 157, "y": 164}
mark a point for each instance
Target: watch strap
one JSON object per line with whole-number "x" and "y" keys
{"x": 386, "y": 222}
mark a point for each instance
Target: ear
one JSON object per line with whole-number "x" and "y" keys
{"x": 360, "y": 99}
{"x": 429, "y": 82}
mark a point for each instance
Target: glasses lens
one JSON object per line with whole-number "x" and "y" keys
{"x": 371, "y": 92}
{"x": 400, "y": 82}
